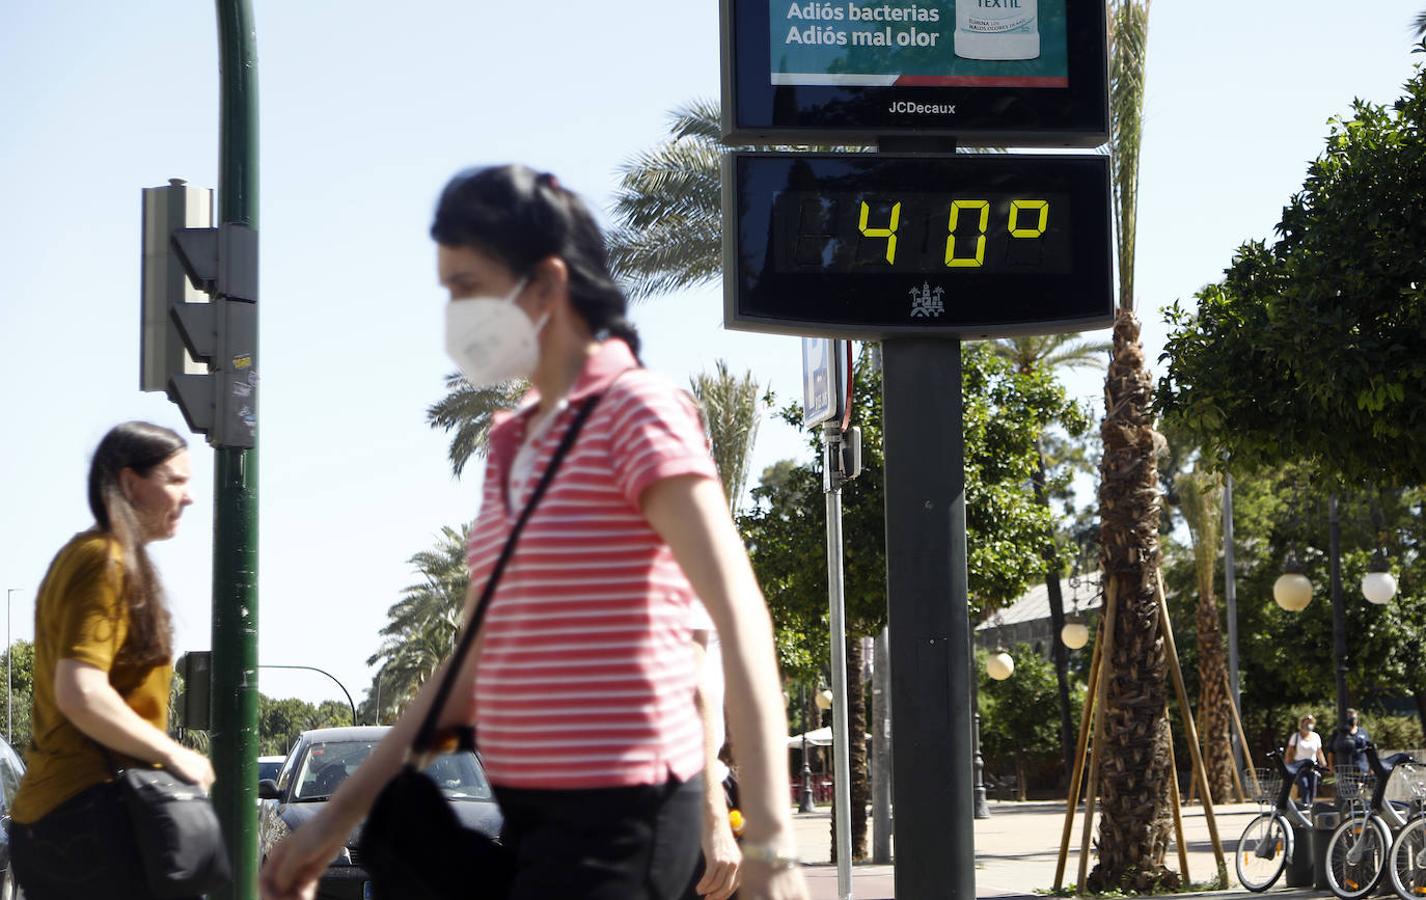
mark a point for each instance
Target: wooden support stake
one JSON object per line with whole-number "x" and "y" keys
{"x": 1177, "y": 812}
{"x": 1238, "y": 785}
{"x": 1106, "y": 666}
{"x": 1191, "y": 731}
{"x": 1081, "y": 744}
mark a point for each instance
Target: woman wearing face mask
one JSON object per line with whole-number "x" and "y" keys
{"x": 1306, "y": 746}
{"x": 103, "y": 651}
{"x": 581, "y": 682}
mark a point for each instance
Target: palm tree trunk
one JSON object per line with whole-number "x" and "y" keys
{"x": 1214, "y": 717}
{"x": 1134, "y": 769}
{"x": 1057, "y": 622}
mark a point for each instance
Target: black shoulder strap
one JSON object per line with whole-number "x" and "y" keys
{"x": 426, "y": 736}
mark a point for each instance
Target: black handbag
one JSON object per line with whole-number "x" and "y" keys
{"x": 413, "y": 846}
{"x": 176, "y": 828}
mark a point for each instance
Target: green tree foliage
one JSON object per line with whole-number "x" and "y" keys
{"x": 1286, "y": 659}
{"x": 1019, "y": 717}
{"x": 280, "y": 722}
{"x": 1314, "y": 348}
{"x": 22, "y": 687}
{"x": 1005, "y": 412}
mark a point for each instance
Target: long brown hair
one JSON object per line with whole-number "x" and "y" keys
{"x": 141, "y": 447}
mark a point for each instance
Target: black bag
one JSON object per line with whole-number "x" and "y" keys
{"x": 177, "y": 831}
{"x": 413, "y": 846}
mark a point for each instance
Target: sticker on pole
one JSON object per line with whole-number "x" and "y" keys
{"x": 821, "y": 381}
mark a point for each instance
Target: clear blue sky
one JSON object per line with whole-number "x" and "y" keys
{"x": 366, "y": 109}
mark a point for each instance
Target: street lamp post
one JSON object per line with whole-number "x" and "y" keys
{"x": 980, "y": 808}
{"x": 805, "y": 802}
{"x": 321, "y": 672}
{"x": 1339, "y": 608}
{"x": 1293, "y": 592}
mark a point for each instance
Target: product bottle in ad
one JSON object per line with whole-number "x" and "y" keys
{"x": 997, "y": 29}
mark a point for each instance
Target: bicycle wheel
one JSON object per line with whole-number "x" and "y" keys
{"x": 1263, "y": 851}
{"x": 1408, "y": 861}
{"x": 1356, "y": 856}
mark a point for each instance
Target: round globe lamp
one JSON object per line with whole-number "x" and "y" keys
{"x": 1000, "y": 665}
{"x": 1075, "y": 635}
{"x": 1379, "y": 587}
{"x": 1292, "y": 591}
{"x": 824, "y": 699}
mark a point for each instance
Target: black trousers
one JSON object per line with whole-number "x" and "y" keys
{"x": 634, "y": 843}
{"x": 83, "y": 850}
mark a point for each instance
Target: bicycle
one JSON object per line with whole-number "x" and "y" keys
{"x": 1267, "y": 844}
{"x": 1359, "y": 847}
{"x": 1408, "y": 851}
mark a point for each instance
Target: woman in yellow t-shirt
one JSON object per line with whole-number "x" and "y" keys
{"x": 103, "y": 664}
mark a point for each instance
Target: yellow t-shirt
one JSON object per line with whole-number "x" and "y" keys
{"x": 79, "y": 615}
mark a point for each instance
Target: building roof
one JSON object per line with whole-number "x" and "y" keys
{"x": 1034, "y": 604}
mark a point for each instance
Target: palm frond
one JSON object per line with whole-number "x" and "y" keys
{"x": 1419, "y": 25}
{"x": 1128, "y": 47}
{"x": 668, "y": 208}
{"x": 1052, "y": 351}
{"x": 699, "y": 119}
{"x": 731, "y": 409}
{"x": 470, "y": 412}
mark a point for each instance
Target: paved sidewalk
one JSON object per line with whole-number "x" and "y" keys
{"x": 1017, "y": 849}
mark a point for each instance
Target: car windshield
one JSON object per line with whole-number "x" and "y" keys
{"x": 267, "y": 770}
{"x": 328, "y": 763}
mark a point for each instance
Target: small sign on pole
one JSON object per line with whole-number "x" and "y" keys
{"x": 822, "y": 383}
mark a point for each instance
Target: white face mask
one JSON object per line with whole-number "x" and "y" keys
{"x": 491, "y": 340}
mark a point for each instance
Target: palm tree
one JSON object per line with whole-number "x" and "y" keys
{"x": 421, "y": 627}
{"x": 470, "y": 412}
{"x": 1419, "y": 25}
{"x": 731, "y": 410}
{"x": 1201, "y": 502}
{"x": 1134, "y": 768}
{"x": 1049, "y": 352}
{"x": 668, "y": 208}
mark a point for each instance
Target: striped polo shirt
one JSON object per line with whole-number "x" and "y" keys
{"x": 586, "y": 675}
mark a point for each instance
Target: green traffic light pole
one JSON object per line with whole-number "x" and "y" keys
{"x": 235, "y": 598}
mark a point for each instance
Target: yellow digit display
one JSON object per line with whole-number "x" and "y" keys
{"x": 978, "y": 260}
{"x": 1040, "y": 206}
{"x": 889, "y": 232}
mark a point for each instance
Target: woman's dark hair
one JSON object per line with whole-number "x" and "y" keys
{"x": 521, "y": 217}
{"x": 141, "y": 447}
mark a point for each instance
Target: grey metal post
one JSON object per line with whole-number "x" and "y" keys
{"x": 926, "y": 608}
{"x": 881, "y": 822}
{"x": 1230, "y": 596}
{"x": 841, "y": 750}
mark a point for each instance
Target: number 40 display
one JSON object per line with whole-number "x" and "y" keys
{"x": 1028, "y": 220}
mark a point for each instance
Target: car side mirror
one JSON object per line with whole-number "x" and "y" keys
{"x": 267, "y": 790}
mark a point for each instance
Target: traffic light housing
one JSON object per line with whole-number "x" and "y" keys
{"x": 195, "y": 704}
{"x": 182, "y": 248}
